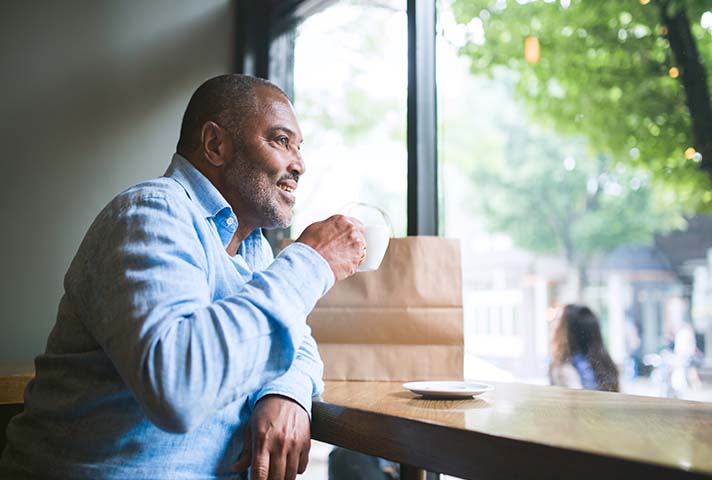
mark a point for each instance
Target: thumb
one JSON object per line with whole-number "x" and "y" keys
{"x": 243, "y": 462}
{"x": 246, "y": 456}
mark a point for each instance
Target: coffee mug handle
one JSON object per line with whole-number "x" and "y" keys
{"x": 351, "y": 205}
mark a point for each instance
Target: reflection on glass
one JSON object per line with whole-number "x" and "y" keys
{"x": 576, "y": 157}
{"x": 350, "y": 82}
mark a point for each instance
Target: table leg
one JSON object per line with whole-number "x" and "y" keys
{"x": 408, "y": 472}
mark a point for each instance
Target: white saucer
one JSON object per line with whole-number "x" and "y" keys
{"x": 448, "y": 389}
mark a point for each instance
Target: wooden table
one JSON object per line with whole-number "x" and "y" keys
{"x": 520, "y": 431}
{"x": 13, "y": 378}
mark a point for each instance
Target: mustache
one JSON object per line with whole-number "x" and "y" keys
{"x": 290, "y": 176}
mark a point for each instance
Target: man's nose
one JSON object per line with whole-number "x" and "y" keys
{"x": 297, "y": 164}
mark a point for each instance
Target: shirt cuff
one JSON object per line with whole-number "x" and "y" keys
{"x": 294, "y": 384}
{"x": 314, "y": 259}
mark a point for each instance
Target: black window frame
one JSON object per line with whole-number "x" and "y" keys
{"x": 265, "y": 48}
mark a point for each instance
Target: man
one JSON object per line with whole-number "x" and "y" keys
{"x": 180, "y": 348}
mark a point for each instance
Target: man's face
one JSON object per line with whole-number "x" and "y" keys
{"x": 263, "y": 173}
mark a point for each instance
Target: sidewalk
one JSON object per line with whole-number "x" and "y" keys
{"x": 644, "y": 386}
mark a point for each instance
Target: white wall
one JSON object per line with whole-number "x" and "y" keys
{"x": 91, "y": 98}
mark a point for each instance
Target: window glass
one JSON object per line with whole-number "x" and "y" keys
{"x": 350, "y": 91}
{"x": 573, "y": 138}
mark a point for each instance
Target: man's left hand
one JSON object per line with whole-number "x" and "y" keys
{"x": 277, "y": 440}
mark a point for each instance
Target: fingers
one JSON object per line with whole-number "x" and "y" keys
{"x": 303, "y": 458}
{"x": 277, "y": 465}
{"x": 278, "y": 460}
{"x": 260, "y": 466}
{"x": 243, "y": 462}
{"x": 261, "y": 452}
{"x": 280, "y": 439}
{"x": 358, "y": 240}
{"x": 291, "y": 465}
{"x": 363, "y": 255}
{"x": 340, "y": 240}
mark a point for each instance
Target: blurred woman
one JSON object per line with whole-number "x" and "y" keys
{"x": 578, "y": 357}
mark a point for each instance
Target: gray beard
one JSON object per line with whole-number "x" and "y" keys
{"x": 270, "y": 211}
{"x": 258, "y": 191}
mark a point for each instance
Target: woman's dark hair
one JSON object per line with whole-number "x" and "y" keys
{"x": 578, "y": 332}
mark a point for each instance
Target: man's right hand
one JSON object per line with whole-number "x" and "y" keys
{"x": 340, "y": 240}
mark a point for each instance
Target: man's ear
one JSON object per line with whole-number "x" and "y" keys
{"x": 215, "y": 143}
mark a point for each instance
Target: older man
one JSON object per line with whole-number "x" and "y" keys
{"x": 181, "y": 348}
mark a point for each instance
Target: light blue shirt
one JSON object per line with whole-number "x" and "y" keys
{"x": 585, "y": 370}
{"x": 164, "y": 342}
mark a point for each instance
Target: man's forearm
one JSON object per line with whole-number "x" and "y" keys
{"x": 302, "y": 381}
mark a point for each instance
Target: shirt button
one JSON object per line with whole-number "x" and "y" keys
{"x": 230, "y": 221}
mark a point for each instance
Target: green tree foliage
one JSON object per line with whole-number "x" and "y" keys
{"x": 558, "y": 199}
{"x": 548, "y": 192}
{"x": 604, "y": 72}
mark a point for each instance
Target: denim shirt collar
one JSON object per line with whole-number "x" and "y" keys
{"x": 201, "y": 191}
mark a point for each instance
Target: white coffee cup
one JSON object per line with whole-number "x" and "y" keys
{"x": 377, "y": 238}
{"x": 377, "y": 232}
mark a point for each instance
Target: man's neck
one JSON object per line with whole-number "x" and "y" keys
{"x": 241, "y": 233}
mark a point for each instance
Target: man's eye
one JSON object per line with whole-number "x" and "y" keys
{"x": 283, "y": 141}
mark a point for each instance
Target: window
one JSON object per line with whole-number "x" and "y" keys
{"x": 569, "y": 172}
{"x": 350, "y": 88}
{"x": 572, "y": 162}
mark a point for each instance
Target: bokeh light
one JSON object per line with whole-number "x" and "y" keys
{"x": 532, "y": 52}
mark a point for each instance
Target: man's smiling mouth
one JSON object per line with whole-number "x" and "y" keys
{"x": 287, "y": 184}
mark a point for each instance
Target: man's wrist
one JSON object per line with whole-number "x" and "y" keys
{"x": 282, "y": 397}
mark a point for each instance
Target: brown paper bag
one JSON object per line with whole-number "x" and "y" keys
{"x": 401, "y": 322}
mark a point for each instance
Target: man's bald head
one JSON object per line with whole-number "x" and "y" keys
{"x": 228, "y": 100}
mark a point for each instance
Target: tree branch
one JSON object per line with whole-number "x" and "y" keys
{"x": 694, "y": 79}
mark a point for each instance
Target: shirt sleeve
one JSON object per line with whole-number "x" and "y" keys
{"x": 302, "y": 381}
{"x": 147, "y": 301}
